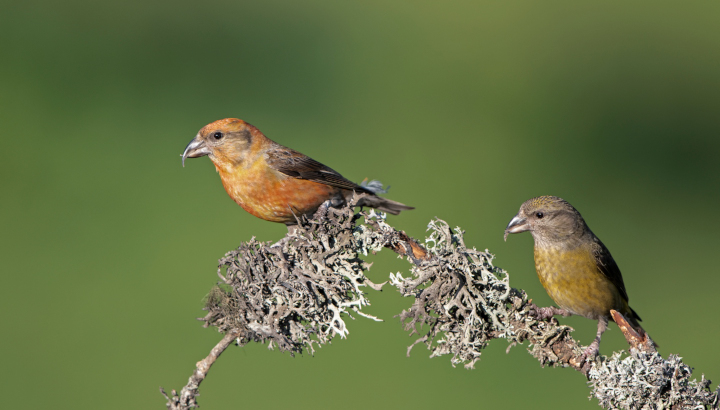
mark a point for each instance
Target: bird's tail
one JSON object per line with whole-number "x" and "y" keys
{"x": 383, "y": 204}
{"x": 371, "y": 199}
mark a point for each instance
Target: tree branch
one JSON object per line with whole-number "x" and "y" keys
{"x": 298, "y": 292}
{"x": 186, "y": 398}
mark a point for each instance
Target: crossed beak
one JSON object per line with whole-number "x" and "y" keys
{"x": 196, "y": 148}
{"x": 516, "y": 225}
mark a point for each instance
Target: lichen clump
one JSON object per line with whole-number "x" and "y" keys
{"x": 294, "y": 294}
{"x": 460, "y": 297}
{"x": 647, "y": 381}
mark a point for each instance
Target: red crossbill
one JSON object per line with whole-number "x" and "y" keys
{"x": 274, "y": 182}
{"x": 573, "y": 265}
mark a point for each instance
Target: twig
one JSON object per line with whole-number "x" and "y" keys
{"x": 186, "y": 398}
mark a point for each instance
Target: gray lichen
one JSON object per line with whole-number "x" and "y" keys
{"x": 297, "y": 294}
{"x": 459, "y": 295}
{"x": 647, "y": 381}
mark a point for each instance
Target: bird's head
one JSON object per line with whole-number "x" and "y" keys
{"x": 225, "y": 141}
{"x": 548, "y": 218}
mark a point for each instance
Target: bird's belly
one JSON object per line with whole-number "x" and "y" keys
{"x": 574, "y": 282}
{"x": 277, "y": 199}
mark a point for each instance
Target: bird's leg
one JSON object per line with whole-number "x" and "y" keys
{"x": 594, "y": 348}
{"x": 546, "y": 312}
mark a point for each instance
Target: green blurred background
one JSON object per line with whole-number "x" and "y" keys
{"x": 466, "y": 108}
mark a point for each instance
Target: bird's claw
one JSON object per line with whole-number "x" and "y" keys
{"x": 591, "y": 351}
{"x": 588, "y": 356}
{"x": 545, "y": 313}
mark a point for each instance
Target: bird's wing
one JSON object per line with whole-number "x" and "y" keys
{"x": 297, "y": 165}
{"x": 606, "y": 264}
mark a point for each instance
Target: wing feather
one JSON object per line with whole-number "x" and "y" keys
{"x": 606, "y": 264}
{"x": 297, "y": 165}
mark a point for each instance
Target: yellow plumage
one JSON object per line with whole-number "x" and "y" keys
{"x": 573, "y": 265}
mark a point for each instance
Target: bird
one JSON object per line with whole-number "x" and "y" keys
{"x": 273, "y": 182}
{"x": 574, "y": 266}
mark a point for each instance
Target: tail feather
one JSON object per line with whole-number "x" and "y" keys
{"x": 383, "y": 204}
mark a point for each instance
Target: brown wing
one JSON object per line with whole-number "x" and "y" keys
{"x": 297, "y": 165}
{"x": 607, "y": 266}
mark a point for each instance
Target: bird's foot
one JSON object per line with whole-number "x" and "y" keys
{"x": 546, "y": 312}
{"x": 590, "y": 352}
{"x": 585, "y": 360}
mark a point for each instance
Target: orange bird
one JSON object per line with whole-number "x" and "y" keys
{"x": 273, "y": 182}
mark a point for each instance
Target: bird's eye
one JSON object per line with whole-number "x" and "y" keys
{"x": 539, "y": 215}
{"x": 217, "y": 135}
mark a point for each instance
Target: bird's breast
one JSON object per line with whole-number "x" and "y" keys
{"x": 572, "y": 279}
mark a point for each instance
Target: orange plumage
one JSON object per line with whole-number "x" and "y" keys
{"x": 271, "y": 181}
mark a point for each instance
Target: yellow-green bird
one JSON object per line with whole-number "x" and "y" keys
{"x": 573, "y": 265}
